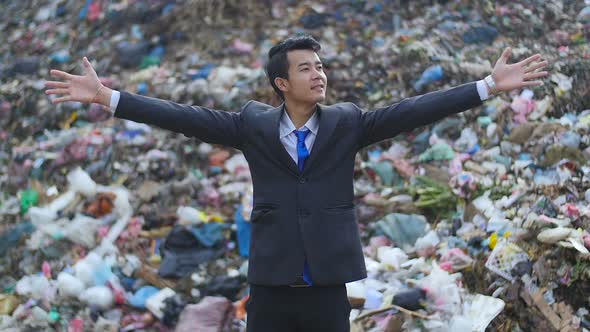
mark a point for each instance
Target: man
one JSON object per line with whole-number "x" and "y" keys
{"x": 305, "y": 242}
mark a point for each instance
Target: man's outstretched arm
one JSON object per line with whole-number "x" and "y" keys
{"x": 209, "y": 125}
{"x": 415, "y": 112}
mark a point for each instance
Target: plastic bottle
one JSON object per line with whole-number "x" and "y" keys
{"x": 431, "y": 74}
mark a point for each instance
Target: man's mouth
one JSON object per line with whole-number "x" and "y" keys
{"x": 318, "y": 87}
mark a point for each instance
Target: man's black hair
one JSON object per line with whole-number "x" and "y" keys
{"x": 278, "y": 64}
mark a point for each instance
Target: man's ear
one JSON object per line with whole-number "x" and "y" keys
{"x": 282, "y": 84}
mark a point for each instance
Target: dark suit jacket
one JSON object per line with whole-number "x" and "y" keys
{"x": 309, "y": 213}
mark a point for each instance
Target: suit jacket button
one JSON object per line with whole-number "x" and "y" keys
{"x": 304, "y": 213}
{"x": 302, "y": 180}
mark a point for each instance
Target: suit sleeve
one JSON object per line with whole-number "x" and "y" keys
{"x": 415, "y": 112}
{"x": 211, "y": 126}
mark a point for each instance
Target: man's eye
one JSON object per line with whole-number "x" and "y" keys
{"x": 320, "y": 68}
{"x": 304, "y": 69}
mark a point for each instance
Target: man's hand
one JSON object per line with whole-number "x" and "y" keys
{"x": 517, "y": 75}
{"x": 84, "y": 89}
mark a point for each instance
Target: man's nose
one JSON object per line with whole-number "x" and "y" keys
{"x": 317, "y": 74}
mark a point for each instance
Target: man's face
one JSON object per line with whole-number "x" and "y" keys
{"x": 307, "y": 80}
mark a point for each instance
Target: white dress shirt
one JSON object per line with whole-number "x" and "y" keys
{"x": 289, "y": 138}
{"x": 286, "y": 126}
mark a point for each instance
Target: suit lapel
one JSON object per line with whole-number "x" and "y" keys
{"x": 276, "y": 146}
{"x": 328, "y": 121}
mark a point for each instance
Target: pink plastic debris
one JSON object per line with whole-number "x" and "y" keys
{"x": 46, "y": 268}
{"x": 242, "y": 47}
{"x": 76, "y": 325}
{"x": 571, "y": 210}
{"x": 94, "y": 12}
{"x": 522, "y": 106}
{"x": 454, "y": 260}
{"x": 213, "y": 313}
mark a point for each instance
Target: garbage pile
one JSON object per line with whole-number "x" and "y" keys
{"x": 477, "y": 222}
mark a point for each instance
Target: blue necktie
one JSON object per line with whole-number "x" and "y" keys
{"x": 302, "y": 154}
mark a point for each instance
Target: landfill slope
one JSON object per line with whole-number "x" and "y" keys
{"x": 478, "y": 222}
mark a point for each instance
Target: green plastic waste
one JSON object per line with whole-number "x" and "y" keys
{"x": 386, "y": 172}
{"x": 439, "y": 151}
{"x": 53, "y": 315}
{"x": 484, "y": 121}
{"x": 149, "y": 61}
{"x": 402, "y": 229}
{"x": 28, "y": 198}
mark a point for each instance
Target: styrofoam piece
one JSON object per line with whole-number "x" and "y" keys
{"x": 481, "y": 310}
{"x": 460, "y": 323}
{"x": 356, "y": 289}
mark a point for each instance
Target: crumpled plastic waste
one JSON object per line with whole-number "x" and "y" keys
{"x": 211, "y": 314}
{"x": 182, "y": 253}
{"x": 402, "y": 229}
{"x": 479, "y": 209}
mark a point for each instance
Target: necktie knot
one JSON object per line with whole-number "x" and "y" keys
{"x": 301, "y": 135}
{"x": 302, "y": 152}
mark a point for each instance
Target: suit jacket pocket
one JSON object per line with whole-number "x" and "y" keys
{"x": 339, "y": 215}
{"x": 339, "y": 223}
{"x": 260, "y": 211}
{"x": 338, "y": 209}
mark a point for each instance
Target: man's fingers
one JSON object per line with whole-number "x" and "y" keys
{"x": 87, "y": 66}
{"x": 506, "y": 54}
{"x": 57, "y": 91}
{"x": 531, "y": 76}
{"x": 61, "y": 99}
{"x": 532, "y": 83}
{"x": 56, "y": 84}
{"x": 530, "y": 59}
{"x": 61, "y": 74}
{"x": 536, "y": 66}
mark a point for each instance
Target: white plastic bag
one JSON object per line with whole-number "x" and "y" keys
{"x": 81, "y": 182}
{"x": 391, "y": 257}
{"x": 98, "y": 296}
{"x": 69, "y": 286}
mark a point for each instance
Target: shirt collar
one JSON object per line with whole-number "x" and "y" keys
{"x": 286, "y": 126}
